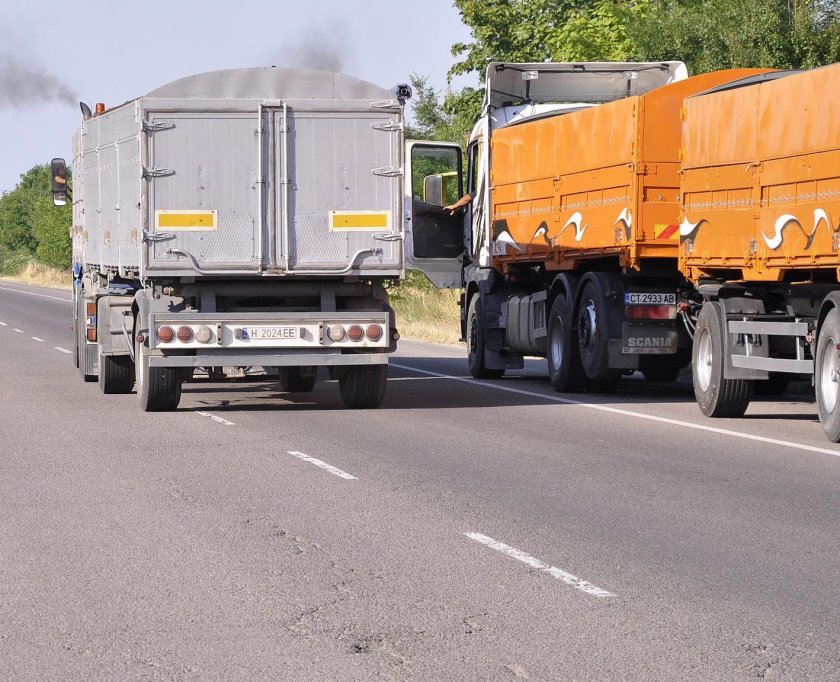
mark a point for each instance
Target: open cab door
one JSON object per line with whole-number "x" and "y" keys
{"x": 434, "y": 239}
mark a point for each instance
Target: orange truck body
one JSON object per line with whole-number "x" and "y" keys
{"x": 761, "y": 180}
{"x": 597, "y": 182}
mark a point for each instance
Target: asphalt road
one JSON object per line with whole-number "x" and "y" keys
{"x": 465, "y": 530}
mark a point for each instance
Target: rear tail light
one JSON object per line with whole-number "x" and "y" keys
{"x": 165, "y": 334}
{"x": 650, "y": 312}
{"x": 373, "y": 332}
{"x": 204, "y": 334}
{"x": 90, "y": 321}
{"x": 335, "y": 333}
{"x": 184, "y": 334}
{"x": 355, "y": 333}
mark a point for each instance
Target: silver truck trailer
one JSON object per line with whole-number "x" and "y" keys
{"x": 246, "y": 218}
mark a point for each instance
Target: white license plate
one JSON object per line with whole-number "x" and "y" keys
{"x": 269, "y": 333}
{"x": 641, "y": 298}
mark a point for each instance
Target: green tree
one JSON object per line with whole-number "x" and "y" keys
{"x": 52, "y": 233}
{"x": 718, "y": 34}
{"x": 545, "y": 30}
{"x": 443, "y": 116}
{"x": 705, "y": 34}
{"x": 30, "y": 224}
{"x": 522, "y": 31}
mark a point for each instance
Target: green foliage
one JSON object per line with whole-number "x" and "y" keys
{"x": 718, "y": 34}
{"x": 446, "y": 116}
{"x": 705, "y": 34}
{"x": 13, "y": 262}
{"x": 52, "y": 233}
{"x": 31, "y": 225}
{"x": 545, "y": 30}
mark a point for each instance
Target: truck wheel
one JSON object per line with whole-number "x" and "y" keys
{"x": 159, "y": 388}
{"x": 593, "y": 340}
{"x": 475, "y": 342}
{"x": 564, "y": 369}
{"x": 363, "y": 387}
{"x": 298, "y": 379}
{"x": 116, "y": 374}
{"x": 827, "y": 374}
{"x": 716, "y": 396}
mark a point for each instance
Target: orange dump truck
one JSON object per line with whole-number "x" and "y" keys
{"x": 572, "y": 235}
{"x": 760, "y": 237}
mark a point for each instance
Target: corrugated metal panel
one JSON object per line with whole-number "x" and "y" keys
{"x": 207, "y": 161}
{"x": 331, "y": 159}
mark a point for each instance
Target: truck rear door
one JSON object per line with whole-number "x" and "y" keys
{"x": 336, "y": 188}
{"x": 206, "y": 206}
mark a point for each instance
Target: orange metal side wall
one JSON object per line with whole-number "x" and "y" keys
{"x": 761, "y": 182}
{"x": 598, "y": 181}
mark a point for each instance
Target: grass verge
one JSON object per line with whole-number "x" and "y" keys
{"x": 29, "y": 271}
{"x": 424, "y": 312}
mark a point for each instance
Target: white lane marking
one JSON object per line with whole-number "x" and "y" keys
{"x": 3, "y": 324}
{"x": 63, "y": 350}
{"x": 32, "y": 293}
{"x": 626, "y": 413}
{"x": 216, "y": 419}
{"x": 533, "y": 562}
{"x": 323, "y": 465}
{"x": 35, "y": 338}
{"x": 412, "y": 378}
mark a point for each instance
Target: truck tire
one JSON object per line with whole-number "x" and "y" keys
{"x": 565, "y": 371}
{"x": 363, "y": 387}
{"x": 158, "y": 388}
{"x": 593, "y": 340}
{"x": 476, "y": 344}
{"x": 716, "y": 396}
{"x": 827, "y": 374}
{"x": 298, "y": 379}
{"x": 116, "y": 374}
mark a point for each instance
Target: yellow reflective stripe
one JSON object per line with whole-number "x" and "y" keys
{"x": 201, "y": 220}
{"x": 359, "y": 220}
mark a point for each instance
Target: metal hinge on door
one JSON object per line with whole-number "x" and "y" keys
{"x": 387, "y": 126}
{"x": 157, "y": 126}
{"x": 149, "y": 173}
{"x": 387, "y": 171}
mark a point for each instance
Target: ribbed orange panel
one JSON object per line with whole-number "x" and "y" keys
{"x": 761, "y": 187}
{"x": 602, "y": 180}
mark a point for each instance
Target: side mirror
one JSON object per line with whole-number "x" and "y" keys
{"x": 58, "y": 173}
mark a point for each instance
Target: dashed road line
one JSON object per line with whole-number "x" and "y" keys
{"x": 19, "y": 331}
{"x": 3, "y": 324}
{"x": 323, "y": 465}
{"x": 63, "y": 350}
{"x": 216, "y": 419}
{"x": 625, "y": 413}
{"x": 35, "y": 338}
{"x": 533, "y": 562}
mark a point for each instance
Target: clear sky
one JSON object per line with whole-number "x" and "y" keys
{"x": 54, "y": 54}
